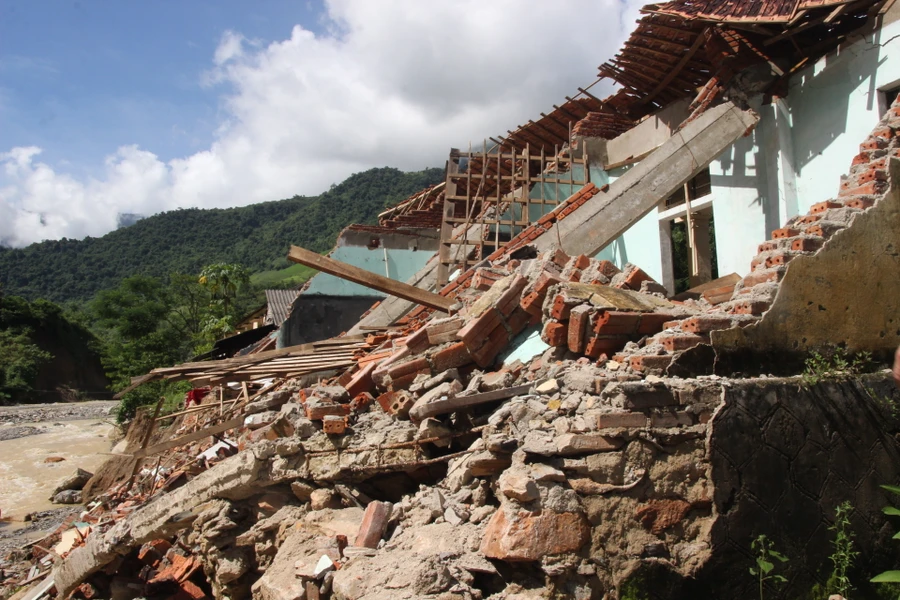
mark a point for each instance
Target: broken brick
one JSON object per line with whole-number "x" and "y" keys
{"x": 554, "y": 334}
{"x": 374, "y": 524}
{"x": 455, "y": 355}
{"x": 332, "y": 424}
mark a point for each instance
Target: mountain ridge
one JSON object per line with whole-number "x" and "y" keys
{"x": 185, "y": 240}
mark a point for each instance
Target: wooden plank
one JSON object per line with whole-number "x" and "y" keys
{"x": 442, "y": 407}
{"x": 370, "y": 280}
{"x": 676, "y": 69}
{"x": 191, "y": 437}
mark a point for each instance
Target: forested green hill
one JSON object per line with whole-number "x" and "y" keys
{"x": 255, "y": 236}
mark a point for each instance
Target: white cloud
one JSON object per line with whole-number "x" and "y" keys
{"x": 390, "y": 83}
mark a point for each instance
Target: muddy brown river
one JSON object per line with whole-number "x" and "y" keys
{"x": 80, "y": 434}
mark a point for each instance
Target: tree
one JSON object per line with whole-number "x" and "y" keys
{"x": 20, "y": 361}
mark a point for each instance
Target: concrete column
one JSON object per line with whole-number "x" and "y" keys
{"x": 701, "y": 259}
{"x": 665, "y": 250}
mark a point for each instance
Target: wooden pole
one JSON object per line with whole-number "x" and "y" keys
{"x": 370, "y": 280}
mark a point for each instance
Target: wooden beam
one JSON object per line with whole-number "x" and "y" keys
{"x": 371, "y": 280}
{"x": 676, "y": 69}
{"x": 191, "y": 437}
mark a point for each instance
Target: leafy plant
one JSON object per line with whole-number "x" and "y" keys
{"x": 892, "y": 511}
{"x": 843, "y": 555}
{"x": 766, "y": 557}
{"x": 835, "y": 361}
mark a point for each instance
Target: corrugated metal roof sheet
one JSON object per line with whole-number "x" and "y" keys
{"x": 279, "y": 303}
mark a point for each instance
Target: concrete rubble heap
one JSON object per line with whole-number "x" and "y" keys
{"x": 612, "y": 458}
{"x": 564, "y": 430}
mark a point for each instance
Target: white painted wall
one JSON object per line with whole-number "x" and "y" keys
{"x": 834, "y": 105}
{"x": 801, "y": 146}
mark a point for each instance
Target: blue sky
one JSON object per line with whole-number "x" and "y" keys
{"x": 81, "y": 78}
{"x": 110, "y": 107}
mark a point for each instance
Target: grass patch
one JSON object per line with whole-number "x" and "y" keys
{"x": 294, "y": 275}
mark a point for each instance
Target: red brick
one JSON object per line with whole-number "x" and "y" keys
{"x": 604, "y": 344}
{"x": 786, "y": 232}
{"x": 778, "y": 259}
{"x": 621, "y": 419}
{"x": 418, "y": 342}
{"x": 455, "y": 355}
{"x": 635, "y": 277}
{"x": 616, "y": 323}
{"x": 652, "y": 323}
{"x": 869, "y": 189}
{"x": 374, "y": 524}
{"x": 385, "y": 400}
{"x": 750, "y": 307}
{"x": 532, "y": 303}
{"x": 806, "y": 244}
{"x": 608, "y": 269}
{"x": 361, "y": 401}
{"x": 509, "y": 300}
{"x": 758, "y": 277}
{"x": 677, "y": 343}
{"x": 650, "y": 361}
{"x": 544, "y": 281}
{"x": 823, "y": 206}
{"x": 188, "y": 590}
{"x": 476, "y": 331}
{"x": 334, "y": 425}
{"x": 316, "y": 411}
{"x": 581, "y": 262}
{"x": 561, "y": 307}
{"x": 362, "y": 380}
{"x": 766, "y": 247}
{"x": 417, "y": 365}
{"x": 719, "y": 295}
{"x": 559, "y": 258}
{"x": 860, "y": 203}
{"x": 554, "y": 334}
{"x": 518, "y": 321}
{"x": 579, "y": 320}
{"x": 705, "y": 324}
{"x": 807, "y": 220}
{"x": 496, "y": 342}
{"x": 873, "y": 144}
{"x": 444, "y": 330}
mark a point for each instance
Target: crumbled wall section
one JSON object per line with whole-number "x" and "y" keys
{"x": 827, "y": 278}
{"x": 783, "y": 457}
{"x": 805, "y": 235}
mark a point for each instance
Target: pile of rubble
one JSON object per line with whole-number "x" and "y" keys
{"x": 558, "y": 434}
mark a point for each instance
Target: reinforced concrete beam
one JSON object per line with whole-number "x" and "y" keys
{"x": 608, "y": 215}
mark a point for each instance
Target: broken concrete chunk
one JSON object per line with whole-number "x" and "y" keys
{"x": 432, "y": 428}
{"x": 260, "y": 419}
{"x": 528, "y": 536}
{"x": 75, "y": 481}
{"x": 302, "y": 490}
{"x": 587, "y": 443}
{"x": 67, "y": 497}
{"x": 517, "y": 485}
{"x": 324, "y": 498}
{"x": 548, "y": 388}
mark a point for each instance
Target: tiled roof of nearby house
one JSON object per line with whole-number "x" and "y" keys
{"x": 280, "y": 302}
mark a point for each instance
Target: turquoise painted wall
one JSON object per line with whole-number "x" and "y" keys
{"x": 401, "y": 265}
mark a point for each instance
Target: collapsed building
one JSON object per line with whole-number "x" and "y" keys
{"x": 536, "y": 413}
